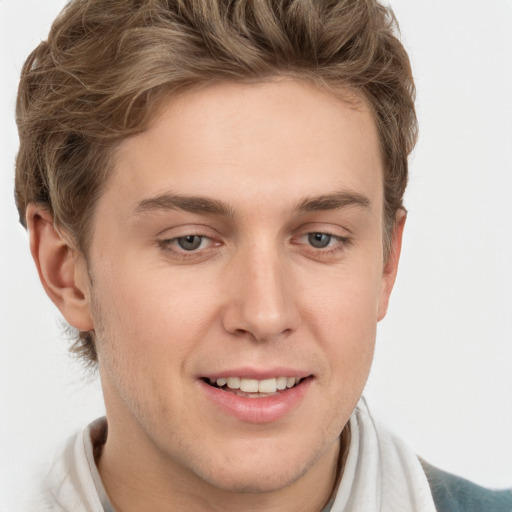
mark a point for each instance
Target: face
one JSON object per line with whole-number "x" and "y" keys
{"x": 237, "y": 277}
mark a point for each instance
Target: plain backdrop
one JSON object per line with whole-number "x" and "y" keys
{"x": 442, "y": 375}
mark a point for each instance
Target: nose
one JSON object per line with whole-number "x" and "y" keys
{"x": 261, "y": 301}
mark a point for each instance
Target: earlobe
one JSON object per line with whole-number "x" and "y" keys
{"x": 62, "y": 271}
{"x": 391, "y": 265}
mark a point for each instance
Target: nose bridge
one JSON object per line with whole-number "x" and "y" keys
{"x": 261, "y": 302}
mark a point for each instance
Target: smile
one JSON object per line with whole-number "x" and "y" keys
{"x": 256, "y": 395}
{"x": 253, "y": 388}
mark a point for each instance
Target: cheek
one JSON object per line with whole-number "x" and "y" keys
{"x": 147, "y": 331}
{"x": 345, "y": 302}
{"x": 343, "y": 318}
{"x": 152, "y": 315}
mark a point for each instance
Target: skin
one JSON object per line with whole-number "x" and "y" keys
{"x": 255, "y": 293}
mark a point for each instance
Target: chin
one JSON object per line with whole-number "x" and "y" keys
{"x": 260, "y": 470}
{"x": 255, "y": 481}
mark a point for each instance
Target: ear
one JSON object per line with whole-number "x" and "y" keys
{"x": 62, "y": 269}
{"x": 391, "y": 265}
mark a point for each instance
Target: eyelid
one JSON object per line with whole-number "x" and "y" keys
{"x": 341, "y": 243}
{"x": 332, "y": 229}
{"x": 170, "y": 250}
{"x": 178, "y": 239}
{"x": 172, "y": 239}
{"x": 339, "y": 238}
{"x": 167, "y": 241}
{"x": 180, "y": 230}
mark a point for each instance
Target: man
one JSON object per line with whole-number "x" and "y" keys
{"x": 213, "y": 193}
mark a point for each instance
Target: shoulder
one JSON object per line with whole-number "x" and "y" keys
{"x": 69, "y": 483}
{"x": 455, "y": 494}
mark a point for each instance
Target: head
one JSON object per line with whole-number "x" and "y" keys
{"x": 225, "y": 181}
{"x": 107, "y": 67}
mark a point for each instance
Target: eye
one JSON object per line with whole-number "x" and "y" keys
{"x": 187, "y": 245}
{"x": 190, "y": 242}
{"x": 319, "y": 240}
{"x": 321, "y": 244}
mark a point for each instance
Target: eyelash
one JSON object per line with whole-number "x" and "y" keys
{"x": 340, "y": 243}
{"x": 170, "y": 245}
{"x": 336, "y": 245}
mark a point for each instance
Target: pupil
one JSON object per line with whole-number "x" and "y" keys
{"x": 189, "y": 242}
{"x": 319, "y": 240}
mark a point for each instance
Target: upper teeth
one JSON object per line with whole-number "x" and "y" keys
{"x": 258, "y": 386}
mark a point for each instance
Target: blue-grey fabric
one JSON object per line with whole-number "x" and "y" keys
{"x": 455, "y": 494}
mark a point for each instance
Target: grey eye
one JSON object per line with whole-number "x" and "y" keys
{"x": 189, "y": 242}
{"x": 319, "y": 240}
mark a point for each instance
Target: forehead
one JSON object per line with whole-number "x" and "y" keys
{"x": 281, "y": 139}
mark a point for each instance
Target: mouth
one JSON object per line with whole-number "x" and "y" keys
{"x": 253, "y": 388}
{"x": 249, "y": 399}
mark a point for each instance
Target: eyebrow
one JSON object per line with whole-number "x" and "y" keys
{"x": 192, "y": 204}
{"x": 337, "y": 200}
{"x": 204, "y": 205}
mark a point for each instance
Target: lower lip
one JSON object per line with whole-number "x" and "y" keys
{"x": 257, "y": 410}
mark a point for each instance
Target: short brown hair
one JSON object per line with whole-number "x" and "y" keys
{"x": 108, "y": 64}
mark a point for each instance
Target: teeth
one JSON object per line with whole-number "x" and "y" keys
{"x": 233, "y": 383}
{"x": 281, "y": 383}
{"x": 249, "y": 385}
{"x": 290, "y": 382}
{"x": 257, "y": 386}
{"x": 267, "y": 386}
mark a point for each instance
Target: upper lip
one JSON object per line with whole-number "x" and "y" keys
{"x": 258, "y": 374}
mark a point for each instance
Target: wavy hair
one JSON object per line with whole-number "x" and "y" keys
{"x": 107, "y": 66}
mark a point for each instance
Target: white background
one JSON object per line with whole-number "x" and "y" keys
{"x": 442, "y": 375}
